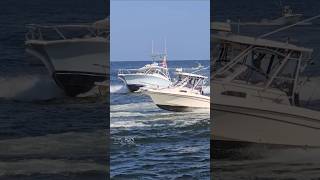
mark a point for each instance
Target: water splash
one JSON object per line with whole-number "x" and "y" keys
{"x": 52, "y": 153}
{"x": 127, "y": 140}
{"x": 147, "y": 115}
{"x": 118, "y": 89}
{"x": 29, "y": 88}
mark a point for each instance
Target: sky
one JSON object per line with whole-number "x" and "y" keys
{"x": 184, "y": 24}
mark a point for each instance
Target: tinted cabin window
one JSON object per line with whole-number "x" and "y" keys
{"x": 234, "y": 93}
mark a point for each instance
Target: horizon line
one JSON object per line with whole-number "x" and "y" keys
{"x": 168, "y": 60}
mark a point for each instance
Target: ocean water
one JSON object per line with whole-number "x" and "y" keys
{"x": 150, "y": 143}
{"x": 43, "y": 134}
{"x": 265, "y": 162}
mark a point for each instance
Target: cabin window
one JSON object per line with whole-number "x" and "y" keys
{"x": 234, "y": 93}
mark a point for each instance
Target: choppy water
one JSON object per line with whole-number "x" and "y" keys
{"x": 43, "y": 134}
{"x": 259, "y": 162}
{"x": 150, "y": 143}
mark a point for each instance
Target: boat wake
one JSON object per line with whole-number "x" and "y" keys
{"x": 29, "y": 88}
{"x": 118, "y": 89}
{"x": 282, "y": 163}
{"x": 146, "y": 114}
{"x": 51, "y": 154}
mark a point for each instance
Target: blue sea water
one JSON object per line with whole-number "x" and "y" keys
{"x": 150, "y": 143}
{"x": 43, "y": 134}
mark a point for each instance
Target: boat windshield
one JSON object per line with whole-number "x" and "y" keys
{"x": 149, "y": 69}
{"x": 63, "y": 32}
{"x": 192, "y": 82}
{"x": 153, "y": 70}
{"x": 261, "y": 66}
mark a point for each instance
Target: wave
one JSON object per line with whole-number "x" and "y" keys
{"x": 146, "y": 114}
{"x": 48, "y": 166}
{"x": 70, "y": 144}
{"x": 142, "y": 106}
{"x": 29, "y": 88}
{"x": 310, "y": 89}
{"x": 294, "y": 163}
{"x": 118, "y": 89}
{"x": 71, "y": 152}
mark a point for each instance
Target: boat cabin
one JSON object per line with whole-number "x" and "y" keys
{"x": 261, "y": 64}
{"x": 190, "y": 81}
{"x": 148, "y": 69}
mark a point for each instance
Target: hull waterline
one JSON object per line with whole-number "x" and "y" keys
{"x": 74, "y": 65}
{"x": 179, "y": 102}
{"x": 263, "y": 126}
{"x": 135, "y": 81}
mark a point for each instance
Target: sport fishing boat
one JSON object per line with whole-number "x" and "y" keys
{"x": 256, "y": 85}
{"x": 75, "y": 55}
{"x": 150, "y": 75}
{"x": 186, "y": 94}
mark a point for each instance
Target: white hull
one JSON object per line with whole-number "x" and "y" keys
{"x": 87, "y": 55}
{"x": 260, "y": 123}
{"x": 74, "y": 64}
{"x": 135, "y": 81}
{"x": 179, "y": 101}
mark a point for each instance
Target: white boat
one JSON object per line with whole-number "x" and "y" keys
{"x": 76, "y": 56}
{"x": 186, "y": 94}
{"x": 150, "y": 75}
{"x": 255, "y": 85}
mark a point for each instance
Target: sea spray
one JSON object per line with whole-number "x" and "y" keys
{"x": 29, "y": 88}
{"x": 118, "y": 89}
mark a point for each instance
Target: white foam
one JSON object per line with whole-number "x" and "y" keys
{"x": 118, "y": 89}
{"x": 58, "y": 146}
{"x": 125, "y": 114}
{"x": 48, "y": 166}
{"x": 54, "y": 144}
{"x": 126, "y": 140}
{"x": 146, "y": 114}
{"x": 29, "y": 88}
{"x": 144, "y": 106}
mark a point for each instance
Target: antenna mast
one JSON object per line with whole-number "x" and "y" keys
{"x": 152, "y": 47}
{"x": 289, "y": 26}
{"x": 165, "y": 46}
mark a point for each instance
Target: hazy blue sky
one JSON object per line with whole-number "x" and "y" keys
{"x": 185, "y": 24}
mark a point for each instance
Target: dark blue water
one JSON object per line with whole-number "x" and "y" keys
{"x": 150, "y": 143}
{"x": 258, "y": 162}
{"x": 43, "y": 134}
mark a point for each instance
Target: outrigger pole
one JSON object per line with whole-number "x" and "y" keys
{"x": 289, "y": 26}
{"x": 223, "y": 69}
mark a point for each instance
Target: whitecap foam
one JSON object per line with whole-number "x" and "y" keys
{"x": 135, "y": 107}
{"x": 29, "y": 88}
{"x": 125, "y": 114}
{"x": 48, "y": 166}
{"x": 118, "y": 89}
{"x": 126, "y": 140}
{"x": 58, "y": 145}
{"x": 50, "y": 154}
{"x": 146, "y": 114}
